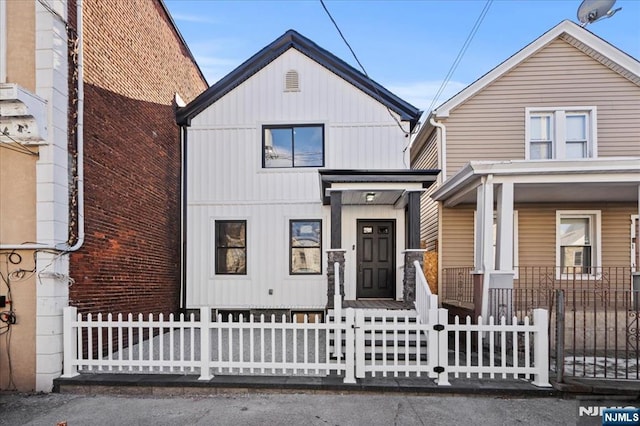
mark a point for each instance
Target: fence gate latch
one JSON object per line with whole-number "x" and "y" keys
{"x": 439, "y": 369}
{"x": 438, "y": 327}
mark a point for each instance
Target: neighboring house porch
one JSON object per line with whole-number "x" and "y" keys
{"x": 541, "y": 225}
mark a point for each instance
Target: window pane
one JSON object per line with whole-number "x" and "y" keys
{"x": 308, "y": 146}
{"x": 574, "y": 231}
{"x": 231, "y": 261}
{"x": 305, "y": 234}
{"x": 305, "y": 261}
{"x": 278, "y": 147}
{"x": 230, "y": 234}
{"x": 540, "y": 128}
{"x": 231, "y": 249}
{"x": 540, "y": 150}
{"x": 576, "y": 150}
{"x": 576, "y": 127}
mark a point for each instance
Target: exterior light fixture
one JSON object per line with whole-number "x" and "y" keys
{"x": 370, "y": 196}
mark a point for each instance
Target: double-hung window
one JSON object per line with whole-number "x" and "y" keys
{"x": 293, "y": 146}
{"x": 305, "y": 247}
{"x": 231, "y": 247}
{"x": 560, "y": 133}
{"x": 578, "y": 241}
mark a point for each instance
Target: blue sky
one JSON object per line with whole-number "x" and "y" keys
{"x": 407, "y": 46}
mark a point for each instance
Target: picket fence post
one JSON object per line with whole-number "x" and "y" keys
{"x": 349, "y": 362}
{"x": 70, "y": 342}
{"x": 541, "y": 348}
{"x": 205, "y": 344}
{"x": 443, "y": 348}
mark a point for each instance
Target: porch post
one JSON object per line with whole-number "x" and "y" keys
{"x": 336, "y": 219}
{"x": 334, "y": 256}
{"x": 504, "y": 237}
{"x": 484, "y": 239}
{"x": 409, "y": 280}
{"x": 413, "y": 220}
{"x": 501, "y": 279}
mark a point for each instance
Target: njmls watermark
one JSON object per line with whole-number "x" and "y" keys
{"x": 609, "y": 413}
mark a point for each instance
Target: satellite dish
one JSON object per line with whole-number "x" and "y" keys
{"x": 591, "y": 11}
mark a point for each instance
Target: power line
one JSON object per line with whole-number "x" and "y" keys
{"x": 335, "y": 24}
{"x": 461, "y": 53}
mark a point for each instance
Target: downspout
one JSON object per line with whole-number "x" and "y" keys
{"x": 183, "y": 219}
{"x": 443, "y": 177}
{"x": 80, "y": 134}
{"x": 80, "y": 158}
{"x": 443, "y": 147}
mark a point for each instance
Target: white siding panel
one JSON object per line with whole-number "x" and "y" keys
{"x": 267, "y": 258}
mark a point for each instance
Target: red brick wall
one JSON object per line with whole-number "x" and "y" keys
{"x": 134, "y": 63}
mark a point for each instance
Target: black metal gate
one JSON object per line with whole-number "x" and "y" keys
{"x": 597, "y": 334}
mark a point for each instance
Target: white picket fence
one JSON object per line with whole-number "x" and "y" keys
{"x": 357, "y": 347}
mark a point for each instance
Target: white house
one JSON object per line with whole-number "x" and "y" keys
{"x": 295, "y": 161}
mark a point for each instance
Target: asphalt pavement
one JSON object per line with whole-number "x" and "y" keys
{"x": 241, "y": 408}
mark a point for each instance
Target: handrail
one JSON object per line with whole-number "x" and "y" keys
{"x": 425, "y": 299}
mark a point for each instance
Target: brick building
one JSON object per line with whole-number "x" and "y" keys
{"x": 90, "y": 161}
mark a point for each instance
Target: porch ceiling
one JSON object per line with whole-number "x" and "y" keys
{"x": 388, "y": 186}
{"x": 577, "y": 192}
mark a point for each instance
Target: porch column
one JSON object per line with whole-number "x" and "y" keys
{"x": 336, "y": 219}
{"x": 484, "y": 263}
{"x": 413, "y": 220}
{"x": 501, "y": 279}
{"x": 334, "y": 256}
{"x": 409, "y": 280}
{"x": 484, "y": 226}
{"x": 504, "y": 237}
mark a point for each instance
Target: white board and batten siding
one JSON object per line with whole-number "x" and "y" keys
{"x": 226, "y": 180}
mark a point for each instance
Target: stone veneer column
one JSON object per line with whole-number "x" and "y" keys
{"x": 411, "y": 256}
{"x": 333, "y": 257}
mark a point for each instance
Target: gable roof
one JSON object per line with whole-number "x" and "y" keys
{"x": 577, "y": 36}
{"x": 292, "y": 39}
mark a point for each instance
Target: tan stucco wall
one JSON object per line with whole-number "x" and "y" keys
{"x": 21, "y": 43}
{"x": 18, "y": 194}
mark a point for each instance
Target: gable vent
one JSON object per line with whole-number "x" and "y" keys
{"x": 291, "y": 81}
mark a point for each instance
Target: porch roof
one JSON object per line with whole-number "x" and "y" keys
{"x": 589, "y": 180}
{"x": 389, "y": 186}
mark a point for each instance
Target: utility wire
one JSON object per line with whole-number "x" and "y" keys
{"x": 461, "y": 53}
{"x": 335, "y": 24}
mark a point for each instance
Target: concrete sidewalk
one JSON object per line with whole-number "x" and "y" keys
{"x": 250, "y": 409}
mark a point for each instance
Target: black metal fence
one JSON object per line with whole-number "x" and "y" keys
{"x": 593, "y": 332}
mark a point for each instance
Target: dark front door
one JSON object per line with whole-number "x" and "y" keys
{"x": 376, "y": 259}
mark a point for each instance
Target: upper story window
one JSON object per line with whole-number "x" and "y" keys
{"x": 293, "y": 146}
{"x": 560, "y": 133}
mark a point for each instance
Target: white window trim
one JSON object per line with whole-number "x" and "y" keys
{"x": 596, "y": 228}
{"x": 558, "y": 115}
{"x": 516, "y": 255}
